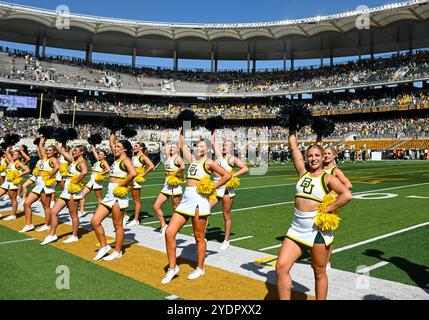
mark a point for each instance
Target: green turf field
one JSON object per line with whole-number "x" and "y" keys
{"x": 393, "y": 196}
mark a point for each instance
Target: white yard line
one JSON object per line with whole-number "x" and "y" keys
{"x": 380, "y": 237}
{"x": 15, "y": 241}
{"x": 373, "y": 267}
{"x": 241, "y": 238}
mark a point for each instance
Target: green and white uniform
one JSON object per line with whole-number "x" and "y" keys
{"x": 8, "y": 185}
{"x": 191, "y": 198}
{"x": 97, "y": 168}
{"x": 117, "y": 170}
{"x": 225, "y": 163}
{"x": 303, "y": 229}
{"x": 171, "y": 166}
{"x": 74, "y": 169}
{"x": 45, "y": 165}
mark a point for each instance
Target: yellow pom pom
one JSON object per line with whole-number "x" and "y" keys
{"x": 2, "y": 168}
{"x": 206, "y": 188}
{"x": 11, "y": 175}
{"x": 74, "y": 187}
{"x": 327, "y": 221}
{"x": 140, "y": 170}
{"x": 36, "y": 171}
{"x": 120, "y": 192}
{"x": 233, "y": 183}
{"x": 100, "y": 177}
{"x": 139, "y": 179}
{"x": 64, "y": 169}
{"x": 175, "y": 179}
{"x": 49, "y": 181}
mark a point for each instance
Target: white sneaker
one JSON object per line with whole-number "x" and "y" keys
{"x": 170, "y": 275}
{"x": 198, "y": 272}
{"x": 71, "y": 239}
{"x": 10, "y": 217}
{"x": 113, "y": 256}
{"x": 43, "y": 228}
{"x": 82, "y": 214}
{"x": 27, "y": 228}
{"x": 133, "y": 223}
{"x": 163, "y": 230}
{"x": 126, "y": 218}
{"x": 225, "y": 245}
{"x": 49, "y": 239}
{"x": 102, "y": 252}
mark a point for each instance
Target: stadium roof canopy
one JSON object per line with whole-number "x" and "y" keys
{"x": 394, "y": 27}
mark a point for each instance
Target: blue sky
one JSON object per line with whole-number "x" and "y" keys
{"x": 222, "y": 11}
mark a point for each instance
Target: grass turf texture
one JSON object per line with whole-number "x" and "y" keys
{"x": 361, "y": 219}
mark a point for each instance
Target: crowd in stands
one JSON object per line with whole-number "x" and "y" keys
{"x": 111, "y": 75}
{"x": 411, "y": 97}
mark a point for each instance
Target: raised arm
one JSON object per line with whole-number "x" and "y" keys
{"x": 24, "y": 155}
{"x": 8, "y": 154}
{"x": 112, "y": 141}
{"x": 41, "y": 148}
{"x": 342, "y": 177}
{"x": 344, "y": 194}
{"x": 297, "y": 158}
{"x": 186, "y": 153}
{"x": 216, "y": 148}
{"x": 165, "y": 143}
{"x": 64, "y": 153}
{"x": 243, "y": 168}
{"x": 95, "y": 153}
{"x": 224, "y": 175}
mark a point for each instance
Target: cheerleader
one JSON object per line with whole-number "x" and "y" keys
{"x": 139, "y": 160}
{"x": 61, "y": 174}
{"x": 194, "y": 205}
{"x": 3, "y": 165}
{"x": 122, "y": 174}
{"x": 14, "y": 173}
{"x": 330, "y": 167}
{"x": 72, "y": 192}
{"x": 227, "y": 160}
{"x": 99, "y": 170}
{"x": 32, "y": 179}
{"x": 44, "y": 188}
{"x": 303, "y": 234}
{"x": 174, "y": 166}
{"x": 23, "y": 150}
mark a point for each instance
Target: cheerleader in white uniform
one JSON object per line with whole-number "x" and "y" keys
{"x": 49, "y": 166}
{"x": 312, "y": 186}
{"x": 122, "y": 173}
{"x": 100, "y": 167}
{"x": 3, "y": 165}
{"x": 61, "y": 174}
{"x": 226, "y": 159}
{"x": 139, "y": 160}
{"x": 192, "y": 205}
{"x": 173, "y": 165}
{"x": 77, "y": 170}
{"x": 31, "y": 180}
{"x": 10, "y": 187}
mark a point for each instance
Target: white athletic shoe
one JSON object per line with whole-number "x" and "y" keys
{"x": 27, "y": 228}
{"x": 170, "y": 275}
{"x": 198, "y": 272}
{"x": 10, "y": 217}
{"x": 102, "y": 252}
{"x": 126, "y": 218}
{"x": 82, "y": 214}
{"x": 225, "y": 245}
{"x": 43, "y": 228}
{"x": 71, "y": 239}
{"x": 113, "y": 256}
{"x": 163, "y": 230}
{"x": 133, "y": 223}
{"x": 49, "y": 239}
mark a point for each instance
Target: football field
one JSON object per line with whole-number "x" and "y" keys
{"x": 383, "y": 233}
